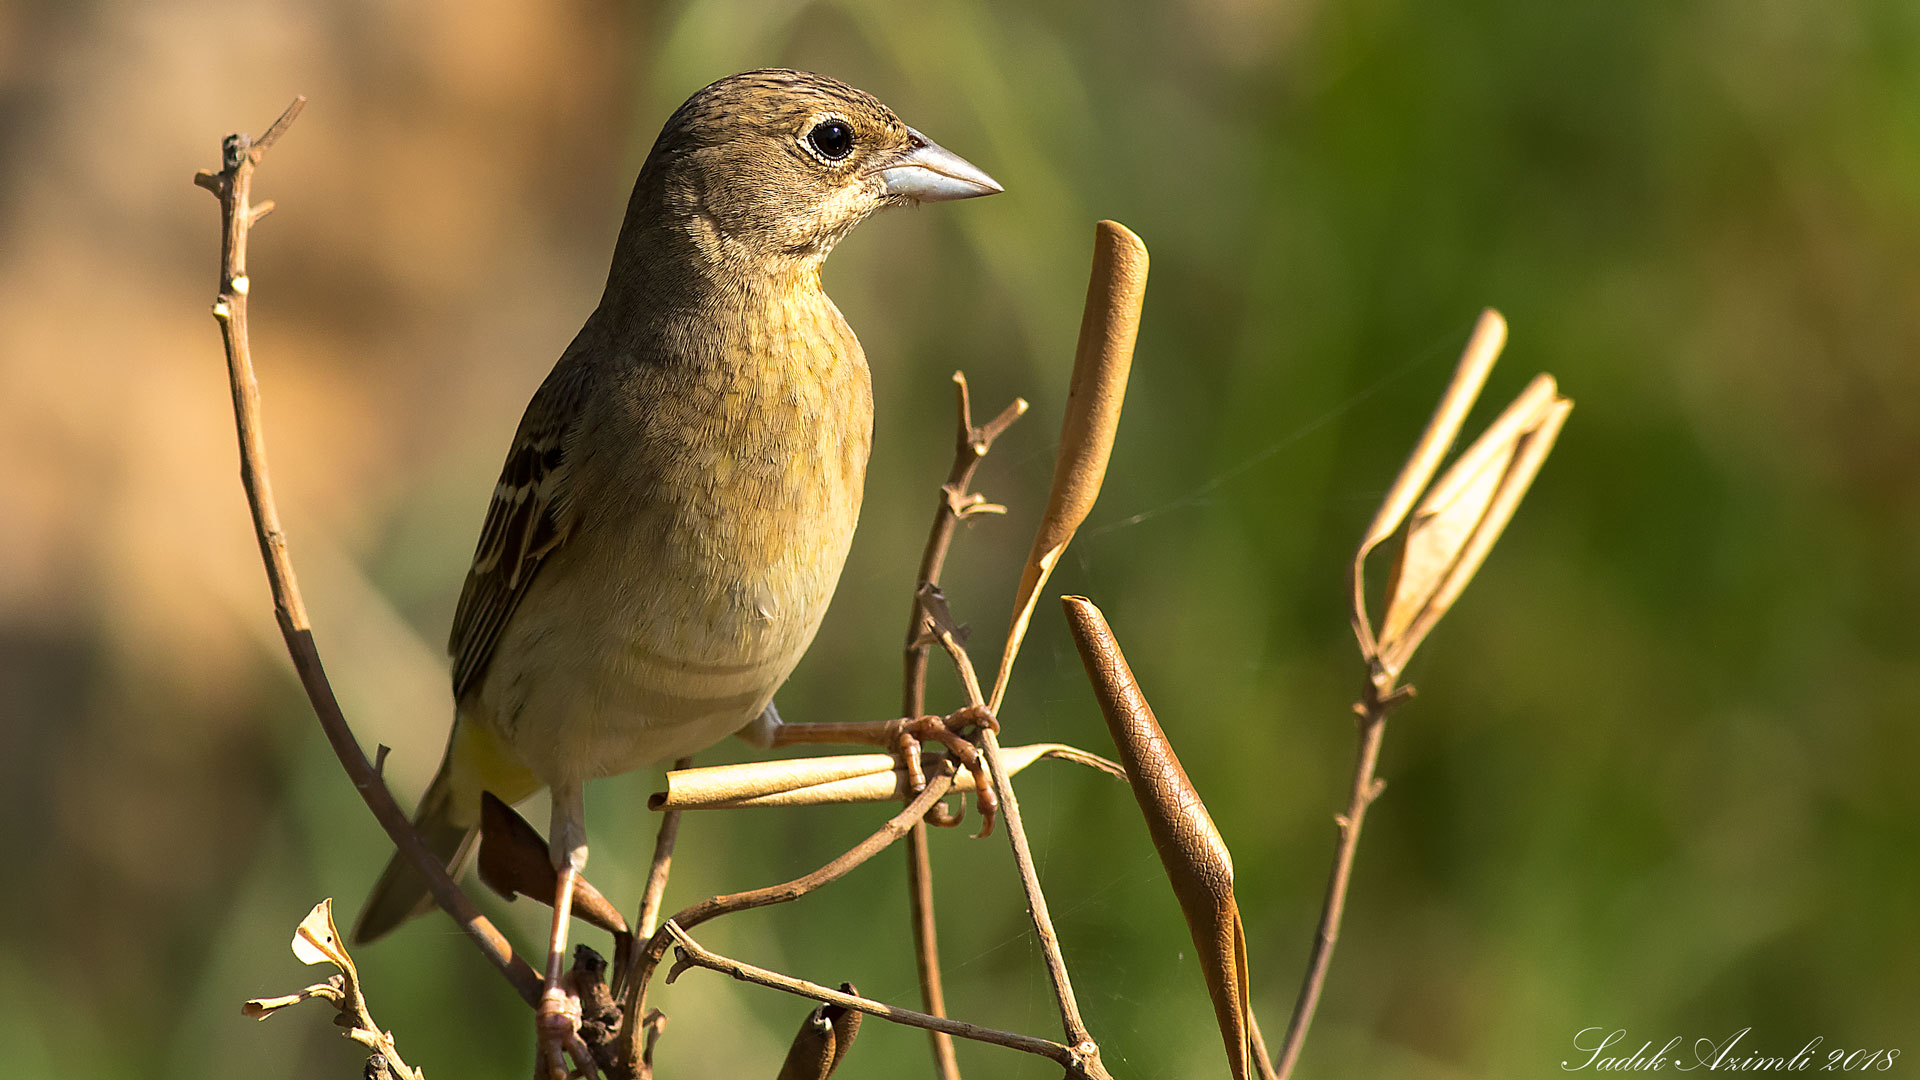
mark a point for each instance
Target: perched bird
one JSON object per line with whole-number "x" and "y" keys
{"x": 679, "y": 498}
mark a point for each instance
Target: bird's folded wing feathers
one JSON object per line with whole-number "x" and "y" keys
{"x": 531, "y": 515}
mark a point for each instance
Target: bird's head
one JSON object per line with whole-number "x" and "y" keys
{"x": 775, "y": 167}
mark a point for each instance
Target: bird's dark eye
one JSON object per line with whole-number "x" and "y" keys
{"x": 832, "y": 138}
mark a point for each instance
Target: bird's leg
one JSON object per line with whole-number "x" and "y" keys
{"x": 557, "y": 1018}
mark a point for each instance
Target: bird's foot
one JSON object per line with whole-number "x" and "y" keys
{"x": 949, "y": 731}
{"x": 557, "y": 1041}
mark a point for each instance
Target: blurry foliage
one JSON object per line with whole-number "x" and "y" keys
{"x": 1661, "y": 774}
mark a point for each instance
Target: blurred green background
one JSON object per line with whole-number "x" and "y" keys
{"x": 1661, "y": 773}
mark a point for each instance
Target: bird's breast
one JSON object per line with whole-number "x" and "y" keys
{"x": 749, "y": 454}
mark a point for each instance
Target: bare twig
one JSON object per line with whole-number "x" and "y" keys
{"x": 926, "y": 948}
{"x": 1070, "y": 1020}
{"x": 662, "y": 862}
{"x": 970, "y": 446}
{"x": 1116, "y": 289}
{"x": 693, "y": 954}
{"x": 233, "y": 185}
{"x": 956, "y": 502}
{"x": 635, "y": 999}
{"x": 1372, "y": 714}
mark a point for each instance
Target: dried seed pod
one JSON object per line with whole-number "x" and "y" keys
{"x": 1116, "y": 291}
{"x": 1461, "y": 516}
{"x": 1195, "y": 857}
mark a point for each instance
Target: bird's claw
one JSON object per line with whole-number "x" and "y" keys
{"x": 556, "y": 1023}
{"x": 947, "y": 731}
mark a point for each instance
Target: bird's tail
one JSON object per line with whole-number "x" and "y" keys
{"x": 449, "y": 821}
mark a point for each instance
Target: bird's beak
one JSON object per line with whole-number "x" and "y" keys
{"x": 929, "y": 172}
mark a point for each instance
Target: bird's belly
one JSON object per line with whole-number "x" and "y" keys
{"x": 680, "y": 653}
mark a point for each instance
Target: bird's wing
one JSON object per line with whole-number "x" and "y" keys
{"x": 531, "y": 515}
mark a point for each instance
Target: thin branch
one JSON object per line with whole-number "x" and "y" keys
{"x": 970, "y": 447}
{"x": 1455, "y": 524}
{"x": 233, "y": 186}
{"x": 1070, "y": 1019}
{"x": 662, "y": 863}
{"x": 1379, "y": 700}
{"x": 635, "y": 999}
{"x": 1056, "y": 961}
{"x": 926, "y": 948}
{"x": 693, "y": 954}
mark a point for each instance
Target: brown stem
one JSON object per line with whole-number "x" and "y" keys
{"x": 693, "y": 954}
{"x": 233, "y": 185}
{"x": 1070, "y": 1020}
{"x": 634, "y": 1002}
{"x": 970, "y": 446}
{"x": 662, "y": 863}
{"x": 1037, "y": 913}
{"x": 926, "y": 949}
{"x": 1379, "y": 700}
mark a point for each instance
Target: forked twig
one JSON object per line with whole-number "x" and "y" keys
{"x": 635, "y": 999}
{"x": 1366, "y": 787}
{"x": 1070, "y": 1019}
{"x": 956, "y": 501}
{"x": 233, "y": 186}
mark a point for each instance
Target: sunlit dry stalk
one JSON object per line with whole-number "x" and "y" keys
{"x": 1078, "y": 1036}
{"x": 1116, "y": 289}
{"x": 824, "y": 781}
{"x": 315, "y": 941}
{"x": 971, "y": 445}
{"x": 1443, "y": 545}
{"x": 233, "y": 185}
{"x": 1196, "y": 859}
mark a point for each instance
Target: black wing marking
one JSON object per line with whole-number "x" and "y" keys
{"x": 531, "y": 515}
